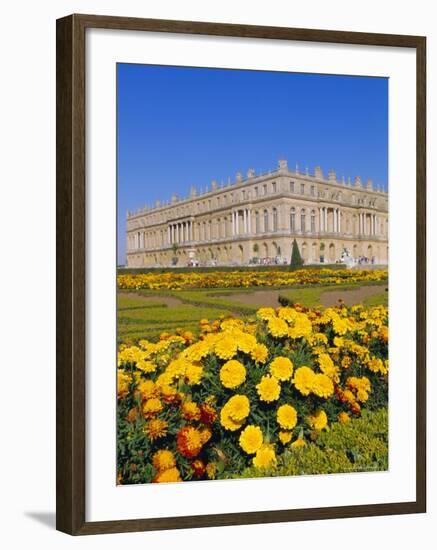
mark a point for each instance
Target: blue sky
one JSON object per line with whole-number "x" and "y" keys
{"x": 180, "y": 126}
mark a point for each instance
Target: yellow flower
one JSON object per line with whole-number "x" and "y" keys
{"x": 225, "y": 347}
{"x": 156, "y": 428}
{"x": 163, "y": 460}
{"x": 265, "y": 457}
{"x": 327, "y": 367}
{"x": 277, "y": 327}
{"x": 193, "y": 374}
{"x": 284, "y": 437}
{"x": 246, "y": 342}
{"x": 281, "y": 368}
{"x": 259, "y": 353}
{"x": 304, "y": 380}
{"x": 146, "y": 366}
{"x": 298, "y": 443}
{"x": 286, "y": 417}
{"x": 268, "y": 389}
{"x": 318, "y": 420}
{"x": 228, "y": 422}
{"x": 123, "y": 383}
{"x": 251, "y": 439}
{"x": 190, "y": 411}
{"x": 171, "y": 475}
{"x": 232, "y": 374}
{"x": 147, "y": 389}
{"x": 239, "y": 407}
{"x": 151, "y": 407}
{"x": 211, "y": 470}
{"x": 343, "y": 418}
{"x": 322, "y": 386}
{"x": 265, "y": 313}
{"x": 376, "y": 365}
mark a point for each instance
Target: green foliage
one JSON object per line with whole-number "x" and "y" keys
{"x": 223, "y": 269}
{"x": 358, "y": 446}
{"x": 296, "y": 259}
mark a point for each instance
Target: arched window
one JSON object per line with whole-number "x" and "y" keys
{"x": 275, "y": 219}
{"x": 293, "y": 219}
{"x": 257, "y": 227}
{"x": 266, "y": 221}
{"x": 302, "y": 220}
{"x": 313, "y": 221}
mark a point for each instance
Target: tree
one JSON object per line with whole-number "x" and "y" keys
{"x": 296, "y": 258}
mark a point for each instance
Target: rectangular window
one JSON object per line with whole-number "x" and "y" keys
{"x": 291, "y": 186}
{"x": 274, "y": 187}
{"x": 302, "y": 189}
{"x": 265, "y": 189}
{"x": 256, "y": 191}
{"x": 312, "y": 190}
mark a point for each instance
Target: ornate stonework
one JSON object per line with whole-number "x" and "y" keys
{"x": 258, "y": 217}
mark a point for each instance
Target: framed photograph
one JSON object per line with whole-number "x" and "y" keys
{"x": 240, "y": 274}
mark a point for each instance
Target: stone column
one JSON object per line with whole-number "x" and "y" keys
{"x": 326, "y": 219}
{"x": 339, "y": 220}
{"x": 249, "y": 211}
{"x": 244, "y": 221}
{"x": 233, "y": 222}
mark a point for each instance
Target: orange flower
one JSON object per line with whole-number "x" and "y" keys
{"x": 198, "y": 467}
{"x": 189, "y": 441}
{"x": 207, "y": 413}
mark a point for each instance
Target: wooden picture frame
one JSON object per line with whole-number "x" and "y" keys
{"x": 71, "y": 253}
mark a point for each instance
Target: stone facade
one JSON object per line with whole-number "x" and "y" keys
{"x": 258, "y": 217}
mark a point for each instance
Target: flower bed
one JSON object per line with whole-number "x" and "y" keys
{"x": 241, "y": 279}
{"x": 246, "y": 395}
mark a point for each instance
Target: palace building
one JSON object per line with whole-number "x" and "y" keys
{"x": 255, "y": 219}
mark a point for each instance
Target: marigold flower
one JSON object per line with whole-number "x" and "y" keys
{"x": 189, "y": 441}
{"x": 304, "y": 380}
{"x": 343, "y": 418}
{"x": 232, "y": 374}
{"x": 285, "y": 437}
{"x": 259, "y": 353}
{"x": 265, "y": 457}
{"x": 298, "y": 443}
{"x": 226, "y": 347}
{"x": 171, "y": 475}
{"x": 286, "y": 417}
{"x": 277, "y": 327}
{"x": 318, "y": 420}
{"x": 151, "y": 407}
{"x": 156, "y": 428}
{"x": 251, "y": 439}
{"x": 211, "y": 469}
{"x": 193, "y": 375}
{"x": 281, "y": 368}
{"x": 163, "y": 460}
{"x": 198, "y": 467}
{"x": 239, "y": 407}
{"x": 190, "y": 411}
{"x": 207, "y": 413}
{"x": 268, "y": 389}
{"x": 228, "y": 422}
{"x": 322, "y": 386}
{"x": 132, "y": 415}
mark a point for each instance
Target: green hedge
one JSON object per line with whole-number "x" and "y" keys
{"x": 140, "y": 270}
